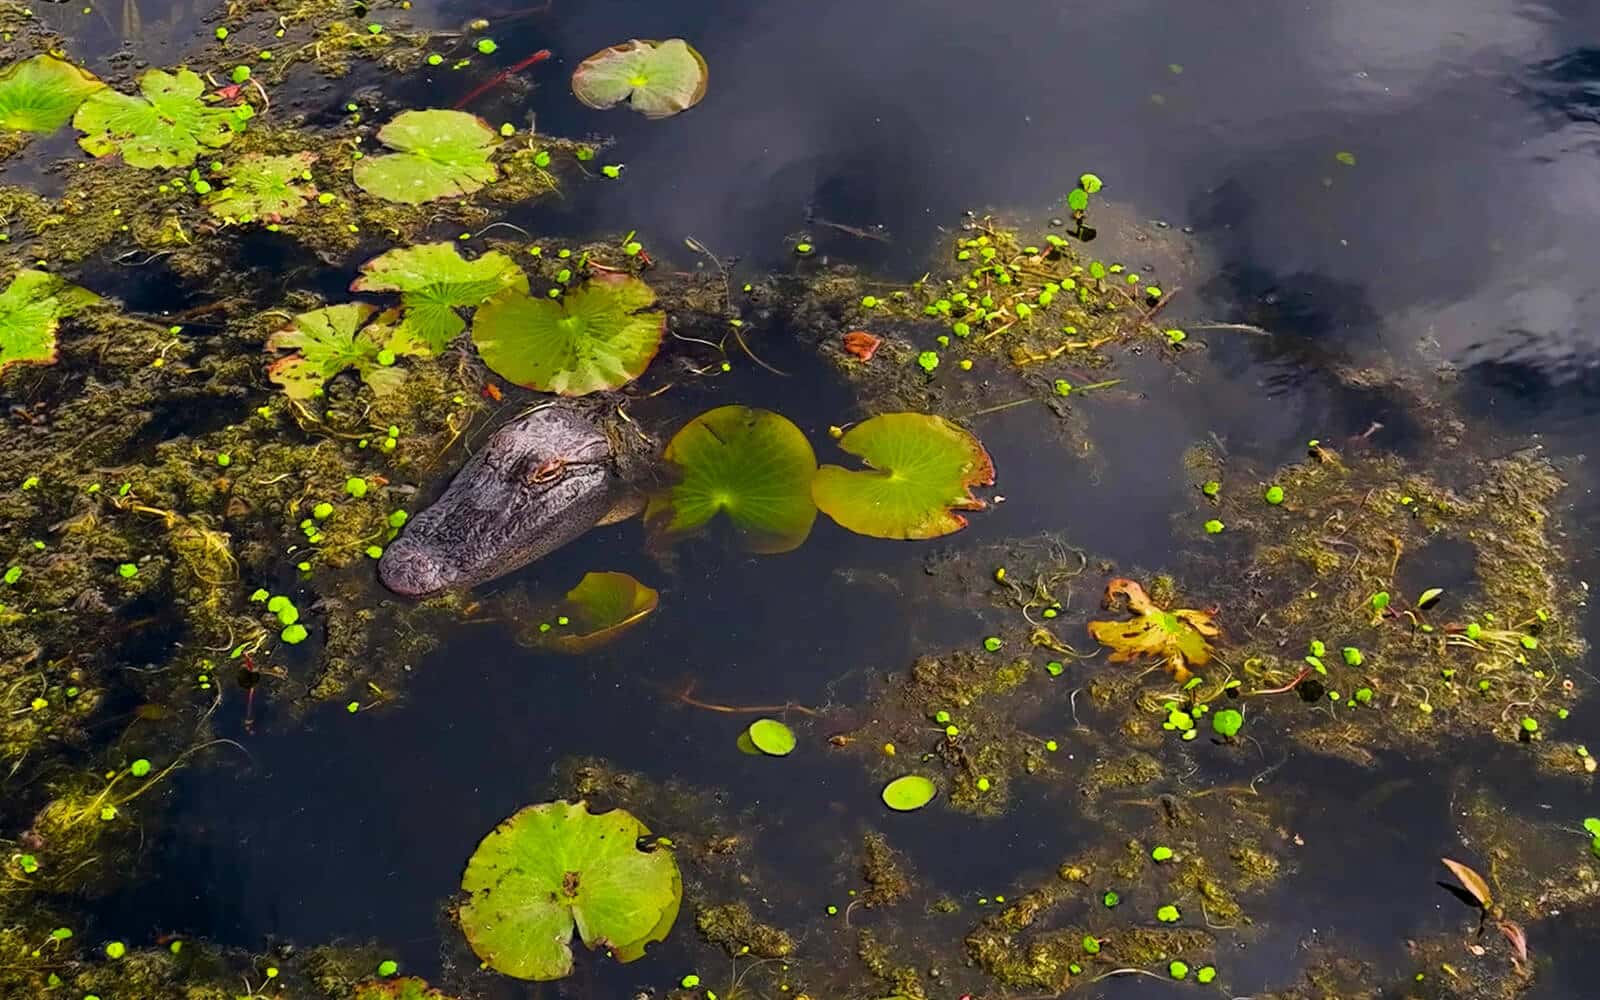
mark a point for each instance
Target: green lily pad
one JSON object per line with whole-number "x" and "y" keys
{"x": 753, "y": 465}
{"x": 771, "y": 737}
{"x": 263, "y": 188}
{"x": 908, "y": 792}
{"x": 167, "y": 127}
{"x": 599, "y": 336}
{"x": 659, "y": 79}
{"x": 601, "y": 607}
{"x": 922, "y": 471}
{"x": 434, "y": 280}
{"x": 31, "y": 308}
{"x": 440, "y": 154}
{"x": 40, "y": 94}
{"x": 554, "y": 867}
{"x": 327, "y": 341}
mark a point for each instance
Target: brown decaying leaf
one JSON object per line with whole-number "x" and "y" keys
{"x": 1519, "y": 941}
{"x": 1180, "y": 638}
{"x": 1471, "y": 881}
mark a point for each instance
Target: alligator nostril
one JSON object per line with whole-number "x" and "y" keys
{"x": 408, "y": 570}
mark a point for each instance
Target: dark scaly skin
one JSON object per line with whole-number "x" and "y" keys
{"x": 537, "y": 483}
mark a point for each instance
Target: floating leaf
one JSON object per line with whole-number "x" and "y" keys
{"x": 167, "y": 127}
{"x": 328, "y": 341}
{"x": 1227, "y": 722}
{"x": 1180, "y": 638}
{"x": 598, "y": 336}
{"x": 659, "y": 79}
{"x": 1472, "y": 882}
{"x": 922, "y": 471}
{"x": 771, "y": 737}
{"x": 1429, "y": 597}
{"x": 601, "y": 607}
{"x": 753, "y": 465}
{"x": 441, "y": 154}
{"x": 31, "y": 309}
{"x": 40, "y": 94}
{"x": 554, "y": 867}
{"x": 912, "y": 791}
{"x": 266, "y": 188}
{"x": 434, "y": 280}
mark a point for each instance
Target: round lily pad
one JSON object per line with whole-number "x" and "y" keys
{"x": 922, "y": 471}
{"x": 438, "y": 154}
{"x": 166, "y": 126}
{"x": 40, "y": 94}
{"x": 556, "y": 867}
{"x": 658, "y": 79}
{"x": 601, "y": 607}
{"x": 771, "y": 737}
{"x": 753, "y": 465}
{"x": 912, "y": 791}
{"x": 601, "y": 335}
{"x": 434, "y": 281}
{"x": 263, "y": 188}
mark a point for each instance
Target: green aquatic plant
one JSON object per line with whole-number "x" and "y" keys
{"x": 908, "y": 792}
{"x": 1227, "y": 722}
{"x": 40, "y": 94}
{"x": 556, "y": 867}
{"x": 31, "y": 310}
{"x": 434, "y": 281}
{"x": 438, "y": 154}
{"x": 753, "y": 466}
{"x": 263, "y": 188}
{"x": 327, "y": 341}
{"x": 921, "y": 472}
{"x": 167, "y": 126}
{"x": 1180, "y": 638}
{"x": 657, "y": 79}
{"x": 601, "y": 335}
{"x": 771, "y": 737}
{"x": 600, "y": 608}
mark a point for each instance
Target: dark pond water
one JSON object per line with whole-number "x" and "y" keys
{"x": 1462, "y": 237}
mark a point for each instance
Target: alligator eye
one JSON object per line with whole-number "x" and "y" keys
{"x": 547, "y": 471}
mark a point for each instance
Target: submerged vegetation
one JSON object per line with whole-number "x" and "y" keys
{"x": 193, "y": 493}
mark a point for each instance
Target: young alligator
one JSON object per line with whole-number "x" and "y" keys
{"x": 538, "y": 482}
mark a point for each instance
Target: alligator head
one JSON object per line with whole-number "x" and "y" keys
{"x": 539, "y": 482}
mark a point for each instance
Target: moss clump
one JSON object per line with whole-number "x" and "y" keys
{"x": 898, "y": 979}
{"x": 884, "y": 870}
{"x": 736, "y": 931}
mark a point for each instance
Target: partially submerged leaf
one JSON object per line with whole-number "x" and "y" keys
{"x": 1180, "y": 638}
{"x": 327, "y": 341}
{"x": 434, "y": 281}
{"x": 439, "y": 154}
{"x": 771, "y": 737}
{"x": 659, "y": 79}
{"x": 1472, "y": 882}
{"x": 40, "y": 94}
{"x": 556, "y": 867}
{"x": 31, "y": 308}
{"x": 754, "y": 466}
{"x": 911, "y": 791}
{"x": 922, "y": 470}
{"x": 167, "y": 127}
{"x": 263, "y": 188}
{"x": 601, "y": 607}
{"x": 601, "y": 335}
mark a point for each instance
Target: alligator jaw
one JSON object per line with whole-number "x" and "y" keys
{"x": 539, "y": 482}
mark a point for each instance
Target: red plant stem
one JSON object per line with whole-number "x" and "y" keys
{"x": 490, "y": 84}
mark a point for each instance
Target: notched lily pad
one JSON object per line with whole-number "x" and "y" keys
{"x": 922, "y": 470}
{"x": 31, "y": 309}
{"x": 40, "y": 94}
{"x": 556, "y": 867}
{"x": 1180, "y": 638}
{"x": 327, "y": 341}
{"x": 602, "y": 607}
{"x": 167, "y": 126}
{"x": 434, "y": 281}
{"x": 601, "y": 335}
{"x": 658, "y": 79}
{"x": 754, "y": 466}
{"x": 263, "y": 188}
{"x": 438, "y": 154}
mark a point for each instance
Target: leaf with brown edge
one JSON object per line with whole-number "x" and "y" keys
{"x": 1180, "y": 638}
{"x": 1471, "y": 881}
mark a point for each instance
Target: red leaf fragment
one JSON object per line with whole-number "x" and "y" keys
{"x": 862, "y": 344}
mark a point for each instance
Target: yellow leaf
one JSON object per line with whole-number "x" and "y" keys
{"x": 1180, "y": 638}
{"x": 1471, "y": 881}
